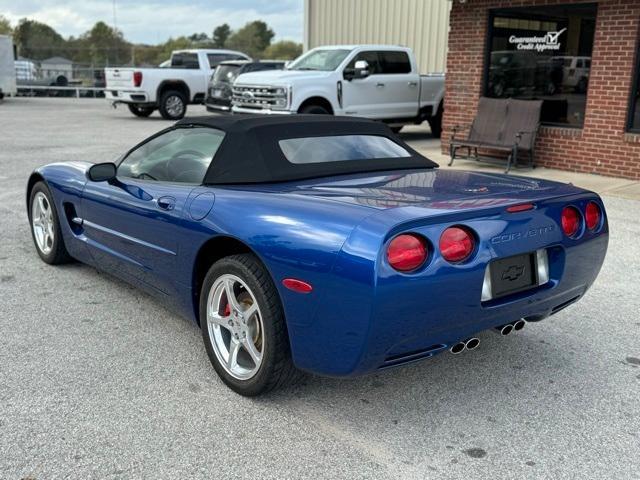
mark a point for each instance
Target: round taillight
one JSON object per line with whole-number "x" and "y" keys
{"x": 456, "y": 244}
{"x": 570, "y": 221}
{"x": 407, "y": 252}
{"x": 592, "y": 215}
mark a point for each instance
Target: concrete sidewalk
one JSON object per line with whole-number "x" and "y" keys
{"x": 421, "y": 140}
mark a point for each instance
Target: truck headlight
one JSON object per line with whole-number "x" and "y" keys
{"x": 280, "y": 91}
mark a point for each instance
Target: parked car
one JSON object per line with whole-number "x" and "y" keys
{"x": 169, "y": 90}
{"x": 220, "y": 92}
{"x": 7, "y": 67}
{"x": 575, "y": 72}
{"x": 320, "y": 243}
{"x": 380, "y": 82}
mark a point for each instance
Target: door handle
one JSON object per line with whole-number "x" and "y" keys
{"x": 379, "y": 85}
{"x": 413, "y": 84}
{"x": 166, "y": 203}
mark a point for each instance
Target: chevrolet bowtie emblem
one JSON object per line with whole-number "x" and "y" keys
{"x": 513, "y": 273}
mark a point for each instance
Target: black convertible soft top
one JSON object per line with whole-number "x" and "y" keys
{"x": 250, "y": 152}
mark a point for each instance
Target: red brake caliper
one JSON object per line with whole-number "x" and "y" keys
{"x": 227, "y": 310}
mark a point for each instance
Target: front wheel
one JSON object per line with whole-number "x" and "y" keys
{"x": 45, "y": 226}
{"x": 243, "y": 326}
{"x": 314, "y": 110}
{"x": 173, "y": 105}
{"x": 139, "y": 111}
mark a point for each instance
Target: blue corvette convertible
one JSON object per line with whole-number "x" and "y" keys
{"x": 320, "y": 243}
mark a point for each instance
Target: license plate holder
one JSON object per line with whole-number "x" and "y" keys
{"x": 513, "y": 274}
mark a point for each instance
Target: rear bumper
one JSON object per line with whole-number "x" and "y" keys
{"x": 362, "y": 326}
{"x": 126, "y": 96}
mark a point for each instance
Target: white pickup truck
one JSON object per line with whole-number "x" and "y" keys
{"x": 170, "y": 89}
{"x": 373, "y": 81}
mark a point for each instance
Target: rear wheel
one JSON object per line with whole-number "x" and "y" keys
{"x": 45, "y": 226}
{"x": 243, "y": 326}
{"x": 173, "y": 105}
{"x": 435, "y": 123}
{"x": 314, "y": 110}
{"x": 139, "y": 111}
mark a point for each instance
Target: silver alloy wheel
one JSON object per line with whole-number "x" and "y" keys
{"x": 236, "y": 330}
{"x": 174, "y": 105}
{"x": 42, "y": 222}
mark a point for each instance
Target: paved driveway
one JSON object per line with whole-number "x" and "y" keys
{"x": 98, "y": 381}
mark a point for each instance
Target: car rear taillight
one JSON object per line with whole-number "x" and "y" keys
{"x": 137, "y": 79}
{"x": 457, "y": 244}
{"x": 570, "y": 220}
{"x": 592, "y": 215}
{"x": 407, "y": 252}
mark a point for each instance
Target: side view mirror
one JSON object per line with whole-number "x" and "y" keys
{"x": 102, "y": 172}
{"x": 360, "y": 70}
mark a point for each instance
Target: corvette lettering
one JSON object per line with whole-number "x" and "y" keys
{"x": 534, "y": 232}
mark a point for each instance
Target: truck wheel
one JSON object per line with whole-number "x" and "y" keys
{"x": 173, "y": 105}
{"x": 314, "y": 110}
{"x": 436, "y": 124}
{"x": 140, "y": 111}
{"x": 243, "y": 326}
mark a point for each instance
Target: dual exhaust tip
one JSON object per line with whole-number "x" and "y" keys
{"x": 473, "y": 343}
{"x": 505, "y": 330}
{"x": 470, "y": 344}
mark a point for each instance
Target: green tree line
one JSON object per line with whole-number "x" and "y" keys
{"x": 103, "y": 45}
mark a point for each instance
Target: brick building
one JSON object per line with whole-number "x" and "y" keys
{"x": 581, "y": 58}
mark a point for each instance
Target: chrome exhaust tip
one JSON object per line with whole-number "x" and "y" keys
{"x": 458, "y": 348}
{"x": 519, "y": 325}
{"x": 472, "y": 343}
{"x": 504, "y": 330}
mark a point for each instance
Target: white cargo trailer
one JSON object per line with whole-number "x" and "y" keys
{"x": 7, "y": 67}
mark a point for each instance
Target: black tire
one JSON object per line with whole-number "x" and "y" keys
{"x": 396, "y": 129}
{"x": 582, "y": 86}
{"x": 314, "y": 110}
{"x": 140, "y": 111}
{"x": 436, "y": 124}
{"x": 277, "y": 367}
{"x": 58, "y": 253}
{"x": 166, "y": 105}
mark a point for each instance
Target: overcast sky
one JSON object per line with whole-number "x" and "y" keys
{"x": 154, "y": 21}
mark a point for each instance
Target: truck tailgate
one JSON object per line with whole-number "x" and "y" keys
{"x": 117, "y": 78}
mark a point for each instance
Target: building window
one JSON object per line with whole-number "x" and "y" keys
{"x": 542, "y": 53}
{"x": 634, "y": 112}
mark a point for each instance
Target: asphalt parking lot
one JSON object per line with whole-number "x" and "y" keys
{"x": 98, "y": 381}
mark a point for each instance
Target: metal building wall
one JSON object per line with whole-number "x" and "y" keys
{"x": 420, "y": 24}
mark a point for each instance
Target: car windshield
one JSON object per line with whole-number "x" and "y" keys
{"x": 340, "y": 148}
{"x": 226, "y": 73}
{"x": 325, "y": 60}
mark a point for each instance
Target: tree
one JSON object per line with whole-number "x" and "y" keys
{"x": 283, "y": 50}
{"x": 102, "y": 45}
{"x": 199, "y": 38}
{"x": 37, "y": 41}
{"x": 5, "y": 26}
{"x": 220, "y": 35}
{"x": 251, "y": 39}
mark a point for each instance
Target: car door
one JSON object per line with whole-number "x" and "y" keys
{"x": 363, "y": 97}
{"x": 134, "y": 224}
{"x": 400, "y": 84}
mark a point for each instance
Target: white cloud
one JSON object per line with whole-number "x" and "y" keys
{"x": 155, "y": 21}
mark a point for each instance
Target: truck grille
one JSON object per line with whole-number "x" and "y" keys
{"x": 259, "y": 97}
